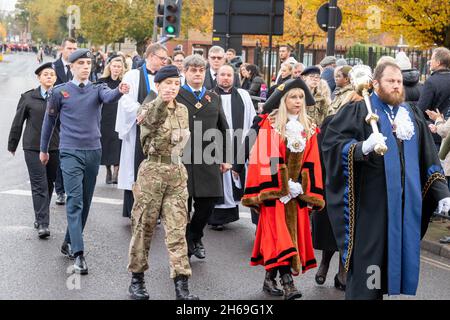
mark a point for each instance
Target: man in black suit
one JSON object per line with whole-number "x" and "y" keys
{"x": 62, "y": 65}
{"x": 216, "y": 59}
{"x": 63, "y": 75}
{"x": 206, "y": 153}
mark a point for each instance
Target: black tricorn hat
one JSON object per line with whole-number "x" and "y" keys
{"x": 274, "y": 100}
{"x": 48, "y": 65}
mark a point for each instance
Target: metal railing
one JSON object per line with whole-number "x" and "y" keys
{"x": 356, "y": 54}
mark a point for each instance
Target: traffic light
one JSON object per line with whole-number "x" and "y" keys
{"x": 172, "y": 18}
{"x": 160, "y": 16}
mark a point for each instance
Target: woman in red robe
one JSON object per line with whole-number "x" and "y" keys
{"x": 284, "y": 183}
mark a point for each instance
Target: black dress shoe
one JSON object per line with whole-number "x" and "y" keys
{"x": 199, "y": 249}
{"x": 217, "y": 227}
{"x": 338, "y": 284}
{"x": 80, "y": 265}
{"x": 320, "y": 279}
{"x": 66, "y": 249}
{"x": 321, "y": 275}
{"x": 43, "y": 232}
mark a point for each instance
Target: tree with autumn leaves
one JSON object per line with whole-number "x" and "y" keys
{"x": 420, "y": 22}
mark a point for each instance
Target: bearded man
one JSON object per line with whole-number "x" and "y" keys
{"x": 380, "y": 206}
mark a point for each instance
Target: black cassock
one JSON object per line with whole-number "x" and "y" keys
{"x": 378, "y": 227}
{"x": 322, "y": 233}
{"x": 220, "y": 215}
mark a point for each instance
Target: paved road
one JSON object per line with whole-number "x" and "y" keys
{"x": 34, "y": 269}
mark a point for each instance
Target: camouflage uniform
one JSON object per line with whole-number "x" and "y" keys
{"x": 161, "y": 187}
{"x": 319, "y": 111}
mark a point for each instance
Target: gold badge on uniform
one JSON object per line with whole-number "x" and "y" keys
{"x": 198, "y": 105}
{"x": 281, "y": 87}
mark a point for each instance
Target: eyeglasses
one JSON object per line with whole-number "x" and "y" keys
{"x": 164, "y": 59}
{"x": 314, "y": 77}
{"x": 216, "y": 58}
{"x": 178, "y": 61}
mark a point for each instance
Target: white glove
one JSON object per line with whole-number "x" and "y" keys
{"x": 295, "y": 189}
{"x": 285, "y": 199}
{"x": 369, "y": 145}
{"x": 444, "y": 205}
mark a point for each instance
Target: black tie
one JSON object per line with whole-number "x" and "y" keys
{"x": 69, "y": 74}
{"x": 81, "y": 85}
{"x": 197, "y": 94}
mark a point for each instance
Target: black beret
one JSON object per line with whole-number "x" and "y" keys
{"x": 311, "y": 70}
{"x": 80, "y": 54}
{"x": 169, "y": 71}
{"x": 274, "y": 100}
{"x": 48, "y": 65}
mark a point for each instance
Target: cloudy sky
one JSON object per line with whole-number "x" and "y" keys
{"x": 7, "y": 4}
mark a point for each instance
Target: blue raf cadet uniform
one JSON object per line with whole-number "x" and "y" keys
{"x": 78, "y": 107}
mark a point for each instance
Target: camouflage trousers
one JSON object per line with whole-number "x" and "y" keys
{"x": 160, "y": 190}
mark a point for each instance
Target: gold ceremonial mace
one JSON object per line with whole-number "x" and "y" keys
{"x": 361, "y": 78}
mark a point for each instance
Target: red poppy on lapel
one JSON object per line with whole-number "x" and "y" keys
{"x": 208, "y": 98}
{"x": 65, "y": 94}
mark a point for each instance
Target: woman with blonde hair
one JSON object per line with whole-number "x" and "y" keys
{"x": 284, "y": 183}
{"x": 111, "y": 144}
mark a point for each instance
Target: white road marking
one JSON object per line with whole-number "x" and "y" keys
{"x": 95, "y": 199}
{"x": 435, "y": 263}
{"x": 27, "y": 193}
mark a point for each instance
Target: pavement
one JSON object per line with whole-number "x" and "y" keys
{"x": 34, "y": 269}
{"x": 439, "y": 228}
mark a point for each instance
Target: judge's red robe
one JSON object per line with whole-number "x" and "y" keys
{"x": 283, "y": 235}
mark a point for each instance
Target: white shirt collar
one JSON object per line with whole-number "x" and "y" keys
{"x": 193, "y": 90}
{"x": 213, "y": 73}
{"x": 77, "y": 83}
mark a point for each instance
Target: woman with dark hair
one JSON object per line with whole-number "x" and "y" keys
{"x": 255, "y": 80}
{"x": 245, "y": 83}
{"x": 31, "y": 109}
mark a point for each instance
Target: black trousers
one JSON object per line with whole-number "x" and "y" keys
{"x": 59, "y": 182}
{"x": 41, "y": 180}
{"x": 203, "y": 208}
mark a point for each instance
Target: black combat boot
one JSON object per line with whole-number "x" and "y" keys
{"x": 137, "y": 288}
{"x": 290, "y": 291}
{"x": 182, "y": 290}
{"x": 270, "y": 284}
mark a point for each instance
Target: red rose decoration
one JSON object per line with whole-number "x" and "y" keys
{"x": 303, "y": 134}
{"x": 65, "y": 94}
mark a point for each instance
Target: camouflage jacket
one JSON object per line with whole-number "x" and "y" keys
{"x": 319, "y": 111}
{"x": 342, "y": 97}
{"x": 164, "y": 130}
